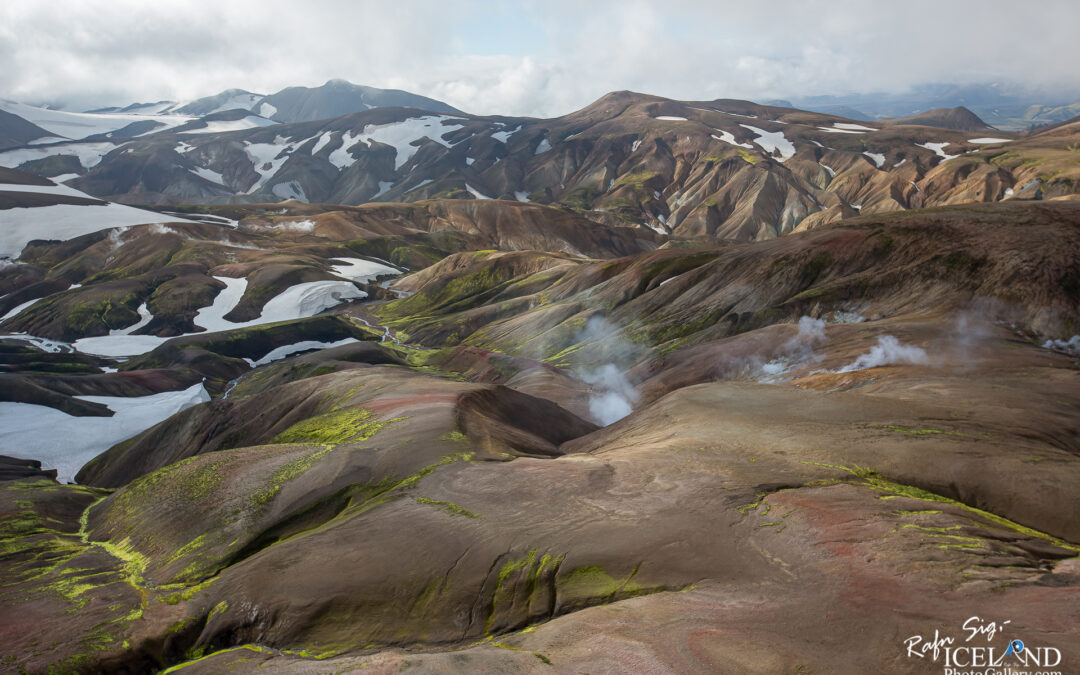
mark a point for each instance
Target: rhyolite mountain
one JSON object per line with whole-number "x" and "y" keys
{"x": 726, "y": 169}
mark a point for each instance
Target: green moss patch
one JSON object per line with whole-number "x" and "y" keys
{"x": 335, "y": 428}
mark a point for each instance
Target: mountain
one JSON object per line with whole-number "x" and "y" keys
{"x": 726, "y": 169}
{"x": 958, "y": 119}
{"x": 230, "y": 99}
{"x": 1012, "y": 108}
{"x": 337, "y": 98}
{"x": 16, "y": 132}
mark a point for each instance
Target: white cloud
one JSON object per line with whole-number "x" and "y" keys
{"x": 474, "y": 57}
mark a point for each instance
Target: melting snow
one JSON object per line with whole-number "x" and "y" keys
{"x": 635, "y": 146}
{"x": 362, "y": 271}
{"x": 145, "y": 317}
{"x": 879, "y": 159}
{"x": 212, "y": 176}
{"x": 505, "y": 134}
{"x": 321, "y": 143}
{"x": 938, "y": 149}
{"x": 475, "y": 193}
{"x": 288, "y": 350}
{"x": 266, "y": 110}
{"x": 522, "y": 196}
{"x": 89, "y": 154}
{"x": 988, "y": 140}
{"x": 543, "y": 147}
{"x": 16, "y": 310}
{"x": 290, "y": 190}
{"x": 67, "y": 221}
{"x": 829, "y": 169}
{"x": 80, "y": 125}
{"x": 728, "y": 137}
{"x": 66, "y": 442}
{"x": 221, "y": 126}
{"x": 772, "y": 141}
{"x": 671, "y": 118}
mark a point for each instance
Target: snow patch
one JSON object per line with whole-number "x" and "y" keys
{"x": 65, "y": 442}
{"x": 671, "y": 118}
{"x": 771, "y": 141}
{"x": 475, "y": 193}
{"x": 879, "y": 159}
{"x": 305, "y": 346}
{"x": 938, "y": 149}
{"x": 543, "y": 147}
{"x": 989, "y": 140}
{"x": 222, "y": 126}
{"x": 362, "y": 271}
{"x": 728, "y": 137}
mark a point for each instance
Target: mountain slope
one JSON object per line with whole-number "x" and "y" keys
{"x": 337, "y": 98}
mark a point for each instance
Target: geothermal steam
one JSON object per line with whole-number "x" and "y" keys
{"x": 887, "y": 351}
{"x": 613, "y": 396}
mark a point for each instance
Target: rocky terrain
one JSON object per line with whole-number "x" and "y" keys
{"x": 704, "y": 387}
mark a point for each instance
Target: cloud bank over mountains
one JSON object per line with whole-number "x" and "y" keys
{"x": 525, "y": 57}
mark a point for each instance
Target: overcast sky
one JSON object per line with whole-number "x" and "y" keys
{"x": 527, "y": 57}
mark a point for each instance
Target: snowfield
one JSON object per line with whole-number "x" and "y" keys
{"x": 772, "y": 141}
{"x": 728, "y": 137}
{"x": 671, "y": 118}
{"x": 89, "y": 154}
{"x": 879, "y": 159}
{"x": 362, "y": 271}
{"x": 77, "y": 126}
{"x": 988, "y": 140}
{"x": 938, "y": 149}
{"x": 65, "y": 442}
{"x": 18, "y": 227}
{"x": 221, "y": 126}
{"x": 296, "y": 302}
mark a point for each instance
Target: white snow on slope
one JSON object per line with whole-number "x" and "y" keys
{"x": 89, "y": 154}
{"x": 402, "y": 135}
{"x": 728, "y": 137}
{"x": 772, "y": 141}
{"x": 362, "y": 271}
{"x": 847, "y": 126}
{"x": 267, "y": 158}
{"x": 80, "y": 125}
{"x": 723, "y": 112}
{"x": 145, "y": 317}
{"x": 242, "y": 101}
{"x": 879, "y": 159}
{"x": 296, "y": 302}
{"x": 307, "y": 345}
{"x": 671, "y": 118}
{"x": 65, "y": 442}
{"x": 988, "y": 140}
{"x": 543, "y": 147}
{"x": 831, "y": 171}
{"x": 321, "y": 143}
{"x": 289, "y": 190}
{"x": 475, "y": 193}
{"x": 833, "y": 130}
{"x": 67, "y": 221}
{"x": 266, "y": 110}
{"x": 221, "y": 126}
{"x": 938, "y": 149}
{"x": 15, "y": 311}
{"x": 522, "y": 196}
{"x": 504, "y": 135}
{"x": 212, "y": 176}
{"x": 46, "y": 189}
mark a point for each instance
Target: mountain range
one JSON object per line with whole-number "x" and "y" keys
{"x": 725, "y": 168}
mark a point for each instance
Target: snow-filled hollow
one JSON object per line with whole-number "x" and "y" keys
{"x": 65, "y": 442}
